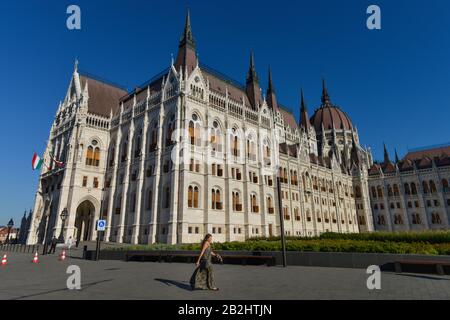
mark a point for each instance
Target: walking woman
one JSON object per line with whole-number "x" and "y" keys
{"x": 203, "y": 278}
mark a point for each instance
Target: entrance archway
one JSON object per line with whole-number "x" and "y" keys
{"x": 83, "y": 221}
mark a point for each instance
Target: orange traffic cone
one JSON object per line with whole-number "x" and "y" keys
{"x": 62, "y": 256}
{"x": 35, "y": 259}
{"x": 4, "y": 260}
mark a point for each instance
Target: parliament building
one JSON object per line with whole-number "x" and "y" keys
{"x": 192, "y": 152}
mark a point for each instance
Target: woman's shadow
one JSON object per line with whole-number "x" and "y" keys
{"x": 178, "y": 284}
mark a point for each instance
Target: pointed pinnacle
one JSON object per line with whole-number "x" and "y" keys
{"x": 271, "y": 88}
{"x": 303, "y": 104}
{"x": 325, "y": 96}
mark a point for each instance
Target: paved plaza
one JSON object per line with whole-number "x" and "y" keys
{"x": 21, "y": 279}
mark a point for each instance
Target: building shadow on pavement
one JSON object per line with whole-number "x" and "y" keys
{"x": 422, "y": 276}
{"x": 178, "y": 284}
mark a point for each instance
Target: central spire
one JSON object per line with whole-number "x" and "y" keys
{"x": 325, "y": 97}
{"x": 187, "y": 38}
{"x": 187, "y": 56}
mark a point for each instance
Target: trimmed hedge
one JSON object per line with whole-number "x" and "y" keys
{"x": 312, "y": 245}
{"x": 434, "y": 237}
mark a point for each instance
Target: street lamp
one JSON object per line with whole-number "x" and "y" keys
{"x": 9, "y": 225}
{"x": 63, "y": 216}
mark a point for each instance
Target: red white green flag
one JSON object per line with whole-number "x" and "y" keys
{"x": 36, "y": 162}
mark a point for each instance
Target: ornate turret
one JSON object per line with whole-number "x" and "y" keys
{"x": 187, "y": 57}
{"x": 271, "y": 95}
{"x": 304, "y": 119}
{"x": 386, "y": 155}
{"x": 252, "y": 88}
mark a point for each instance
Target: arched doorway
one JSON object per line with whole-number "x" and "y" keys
{"x": 83, "y": 221}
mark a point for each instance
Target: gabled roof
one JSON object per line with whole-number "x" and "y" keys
{"x": 288, "y": 117}
{"x": 103, "y": 97}
{"x": 431, "y": 153}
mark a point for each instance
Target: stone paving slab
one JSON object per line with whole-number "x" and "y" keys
{"x": 21, "y": 279}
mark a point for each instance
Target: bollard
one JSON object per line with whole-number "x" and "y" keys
{"x": 84, "y": 252}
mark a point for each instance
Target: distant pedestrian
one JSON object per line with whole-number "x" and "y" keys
{"x": 53, "y": 244}
{"x": 203, "y": 278}
{"x": 69, "y": 243}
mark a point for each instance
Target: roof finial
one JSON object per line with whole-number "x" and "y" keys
{"x": 386, "y": 154}
{"x": 76, "y": 65}
{"x": 252, "y": 76}
{"x": 270, "y": 88}
{"x": 325, "y": 96}
{"x": 396, "y": 156}
{"x": 188, "y": 37}
{"x": 304, "y": 119}
{"x": 303, "y": 104}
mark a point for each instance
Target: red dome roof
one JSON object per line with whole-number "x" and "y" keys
{"x": 331, "y": 117}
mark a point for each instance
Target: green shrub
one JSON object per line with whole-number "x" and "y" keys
{"x": 433, "y": 237}
{"x": 313, "y": 245}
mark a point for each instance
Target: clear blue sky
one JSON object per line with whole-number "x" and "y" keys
{"x": 394, "y": 83}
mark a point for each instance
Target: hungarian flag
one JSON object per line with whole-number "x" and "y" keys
{"x": 36, "y": 163}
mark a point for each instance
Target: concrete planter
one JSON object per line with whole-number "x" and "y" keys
{"x": 294, "y": 258}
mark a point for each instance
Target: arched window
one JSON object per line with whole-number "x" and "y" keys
{"x": 270, "y": 207}
{"x": 445, "y": 186}
{"x": 138, "y": 144}
{"x": 251, "y": 148}
{"x": 193, "y": 197}
{"x": 416, "y": 218}
{"x": 433, "y": 187}
{"x": 374, "y": 192}
{"x": 153, "y": 137}
{"x": 196, "y": 197}
{"x": 216, "y": 137}
{"x": 413, "y": 188}
{"x": 436, "y": 218}
{"x": 124, "y": 149}
{"x": 254, "y": 203}
{"x": 192, "y": 132}
{"x": 380, "y": 192}
{"x": 190, "y": 197}
{"x": 266, "y": 153}
{"x": 297, "y": 214}
{"x": 358, "y": 192}
{"x": 169, "y": 132}
{"x": 425, "y": 187}
{"x": 90, "y": 156}
{"x": 236, "y": 201}
{"x": 97, "y": 157}
{"x": 216, "y": 199}
{"x": 396, "y": 190}
{"x": 390, "y": 193}
{"x": 407, "y": 189}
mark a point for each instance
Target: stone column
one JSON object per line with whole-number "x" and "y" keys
{"x": 113, "y": 185}
{"x": 140, "y": 190}
{"x": 126, "y": 184}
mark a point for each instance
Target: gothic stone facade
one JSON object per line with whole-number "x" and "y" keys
{"x": 412, "y": 194}
{"x": 192, "y": 152}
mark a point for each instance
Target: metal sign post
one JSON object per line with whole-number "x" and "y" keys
{"x": 101, "y": 226}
